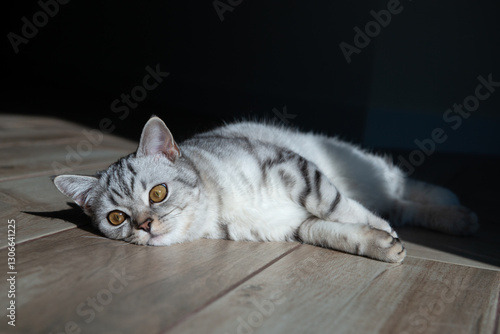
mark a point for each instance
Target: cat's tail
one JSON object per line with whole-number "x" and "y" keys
{"x": 432, "y": 207}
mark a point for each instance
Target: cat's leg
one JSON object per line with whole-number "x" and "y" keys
{"x": 432, "y": 207}
{"x": 427, "y": 193}
{"x": 340, "y": 222}
{"x": 456, "y": 220}
{"x": 353, "y": 238}
{"x": 323, "y": 200}
{"x": 336, "y": 220}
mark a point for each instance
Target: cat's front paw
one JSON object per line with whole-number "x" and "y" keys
{"x": 383, "y": 246}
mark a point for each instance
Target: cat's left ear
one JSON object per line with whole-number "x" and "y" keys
{"x": 157, "y": 138}
{"x": 78, "y": 187}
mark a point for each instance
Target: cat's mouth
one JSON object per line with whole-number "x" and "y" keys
{"x": 147, "y": 239}
{"x": 157, "y": 239}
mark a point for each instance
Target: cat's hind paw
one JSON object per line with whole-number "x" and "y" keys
{"x": 456, "y": 220}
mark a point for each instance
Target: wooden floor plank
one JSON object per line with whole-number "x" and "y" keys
{"x": 135, "y": 289}
{"x": 32, "y": 146}
{"x": 38, "y": 208}
{"x": 21, "y": 122}
{"x": 54, "y": 159}
{"x": 429, "y": 253}
{"x": 26, "y": 131}
{"x": 481, "y": 250}
{"x": 320, "y": 291}
{"x": 21, "y": 131}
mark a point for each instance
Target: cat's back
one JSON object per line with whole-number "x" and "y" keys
{"x": 263, "y": 138}
{"x": 258, "y": 133}
{"x": 238, "y": 151}
{"x": 353, "y": 170}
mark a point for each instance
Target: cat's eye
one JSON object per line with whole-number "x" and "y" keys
{"x": 116, "y": 217}
{"x": 158, "y": 193}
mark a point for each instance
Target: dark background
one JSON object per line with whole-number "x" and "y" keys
{"x": 263, "y": 56}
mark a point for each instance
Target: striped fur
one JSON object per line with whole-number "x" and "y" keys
{"x": 260, "y": 182}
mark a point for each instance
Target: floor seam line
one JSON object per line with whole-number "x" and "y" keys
{"x": 453, "y": 263}
{"x": 49, "y": 173}
{"x": 228, "y": 290}
{"x": 47, "y": 235}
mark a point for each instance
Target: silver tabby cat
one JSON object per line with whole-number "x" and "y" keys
{"x": 260, "y": 182}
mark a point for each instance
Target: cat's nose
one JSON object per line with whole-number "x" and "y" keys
{"x": 146, "y": 225}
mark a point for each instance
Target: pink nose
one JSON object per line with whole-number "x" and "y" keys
{"x": 146, "y": 225}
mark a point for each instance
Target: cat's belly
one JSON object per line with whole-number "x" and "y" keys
{"x": 268, "y": 220}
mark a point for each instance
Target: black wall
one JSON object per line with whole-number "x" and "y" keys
{"x": 263, "y": 56}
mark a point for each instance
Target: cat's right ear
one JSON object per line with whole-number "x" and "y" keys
{"x": 78, "y": 187}
{"x": 157, "y": 138}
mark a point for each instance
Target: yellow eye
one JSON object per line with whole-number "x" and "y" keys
{"x": 158, "y": 193}
{"x": 116, "y": 217}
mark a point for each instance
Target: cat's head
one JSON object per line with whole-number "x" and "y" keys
{"x": 148, "y": 197}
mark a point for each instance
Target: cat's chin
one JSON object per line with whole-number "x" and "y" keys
{"x": 159, "y": 240}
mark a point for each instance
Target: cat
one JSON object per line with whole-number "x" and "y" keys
{"x": 262, "y": 182}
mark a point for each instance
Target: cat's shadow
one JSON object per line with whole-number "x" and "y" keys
{"x": 74, "y": 215}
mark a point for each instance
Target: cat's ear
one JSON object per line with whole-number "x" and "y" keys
{"x": 77, "y": 187}
{"x": 156, "y": 138}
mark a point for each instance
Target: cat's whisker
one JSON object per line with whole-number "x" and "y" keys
{"x": 168, "y": 213}
{"x": 175, "y": 216}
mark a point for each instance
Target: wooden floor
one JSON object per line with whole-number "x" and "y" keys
{"x": 71, "y": 280}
